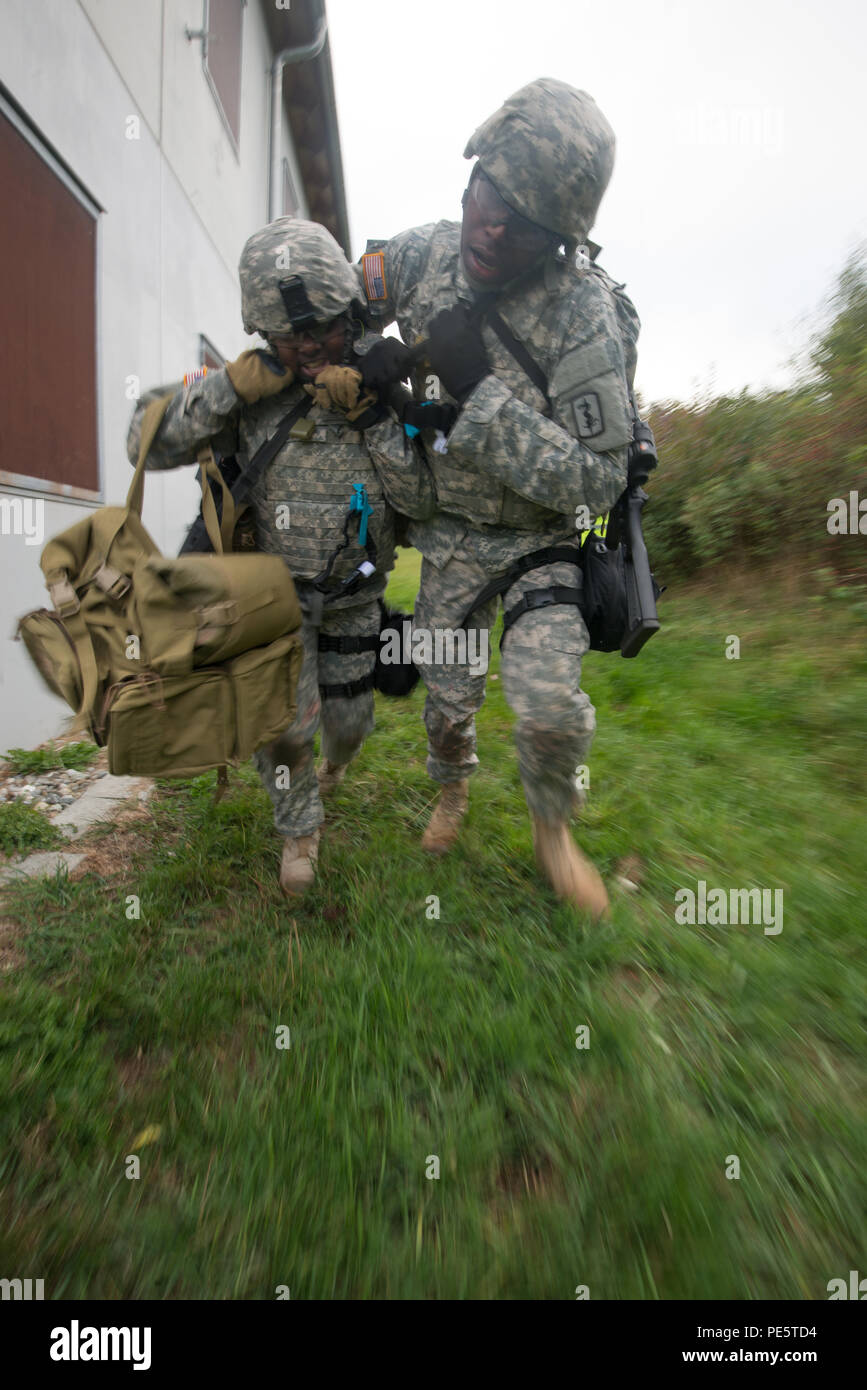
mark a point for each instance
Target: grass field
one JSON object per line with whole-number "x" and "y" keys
{"x": 414, "y": 1036}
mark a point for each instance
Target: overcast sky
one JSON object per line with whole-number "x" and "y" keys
{"x": 740, "y": 177}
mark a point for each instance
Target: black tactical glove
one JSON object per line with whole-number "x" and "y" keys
{"x": 456, "y": 352}
{"x": 386, "y": 363}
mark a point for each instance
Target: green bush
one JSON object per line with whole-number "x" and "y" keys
{"x": 749, "y": 477}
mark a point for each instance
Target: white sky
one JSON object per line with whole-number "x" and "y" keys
{"x": 740, "y": 177}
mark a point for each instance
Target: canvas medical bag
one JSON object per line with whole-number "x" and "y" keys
{"x": 178, "y": 665}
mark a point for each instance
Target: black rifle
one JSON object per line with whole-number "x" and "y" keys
{"x": 624, "y": 529}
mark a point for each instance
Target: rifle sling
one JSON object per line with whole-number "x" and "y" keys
{"x": 518, "y": 351}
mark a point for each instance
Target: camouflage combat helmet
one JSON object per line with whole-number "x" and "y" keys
{"x": 292, "y": 272}
{"x": 549, "y": 152}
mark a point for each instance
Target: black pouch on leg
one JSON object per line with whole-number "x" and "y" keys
{"x": 396, "y": 678}
{"x": 604, "y": 607}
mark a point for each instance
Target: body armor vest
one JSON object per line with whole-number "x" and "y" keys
{"x": 300, "y": 505}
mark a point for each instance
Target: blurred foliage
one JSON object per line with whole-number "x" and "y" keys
{"x": 749, "y": 477}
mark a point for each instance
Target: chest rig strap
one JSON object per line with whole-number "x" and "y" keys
{"x": 513, "y": 345}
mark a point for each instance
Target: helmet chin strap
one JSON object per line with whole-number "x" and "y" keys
{"x": 350, "y": 333}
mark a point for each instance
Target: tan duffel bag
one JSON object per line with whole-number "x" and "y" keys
{"x": 178, "y": 665}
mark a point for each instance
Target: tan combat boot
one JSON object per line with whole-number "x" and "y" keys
{"x": 329, "y": 776}
{"x": 444, "y": 824}
{"x": 570, "y": 873}
{"x": 298, "y": 867}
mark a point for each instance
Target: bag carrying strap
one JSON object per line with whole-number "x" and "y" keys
{"x": 220, "y": 528}
{"x": 151, "y": 421}
{"x": 76, "y": 628}
{"x": 111, "y": 581}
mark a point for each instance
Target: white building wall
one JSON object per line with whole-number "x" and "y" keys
{"x": 179, "y": 203}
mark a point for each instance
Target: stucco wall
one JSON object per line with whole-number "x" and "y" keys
{"x": 178, "y": 204}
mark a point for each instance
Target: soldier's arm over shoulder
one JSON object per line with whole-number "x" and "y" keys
{"x": 205, "y": 411}
{"x": 578, "y": 456}
{"x": 390, "y": 270}
{"x": 401, "y": 467}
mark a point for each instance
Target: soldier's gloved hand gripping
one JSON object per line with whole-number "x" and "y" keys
{"x": 342, "y": 389}
{"x": 256, "y": 374}
{"x": 386, "y": 363}
{"x": 456, "y": 352}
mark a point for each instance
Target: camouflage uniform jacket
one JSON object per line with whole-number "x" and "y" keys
{"x": 314, "y": 479}
{"x": 515, "y": 471}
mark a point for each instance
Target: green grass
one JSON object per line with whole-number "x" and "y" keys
{"x": 22, "y": 827}
{"x": 413, "y": 1035}
{"x": 34, "y": 760}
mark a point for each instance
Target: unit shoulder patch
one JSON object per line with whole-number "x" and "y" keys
{"x": 589, "y": 420}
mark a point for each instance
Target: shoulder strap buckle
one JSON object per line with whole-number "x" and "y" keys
{"x": 63, "y": 596}
{"x": 111, "y": 581}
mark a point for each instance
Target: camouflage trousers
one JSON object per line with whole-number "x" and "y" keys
{"x": 286, "y": 766}
{"x": 541, "y": 675}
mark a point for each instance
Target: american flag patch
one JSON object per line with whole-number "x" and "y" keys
{"x": 373, "y": 269}
{"x": 197, "y": 375}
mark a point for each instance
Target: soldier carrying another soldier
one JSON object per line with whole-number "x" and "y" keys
{"x": 536, "y": 354}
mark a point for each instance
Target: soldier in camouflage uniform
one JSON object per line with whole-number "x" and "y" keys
{"x": 298, "y": 292}
{"x": 526, "y": 459}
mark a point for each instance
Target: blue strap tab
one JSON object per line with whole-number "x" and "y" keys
{"x": 361, "y": 503}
